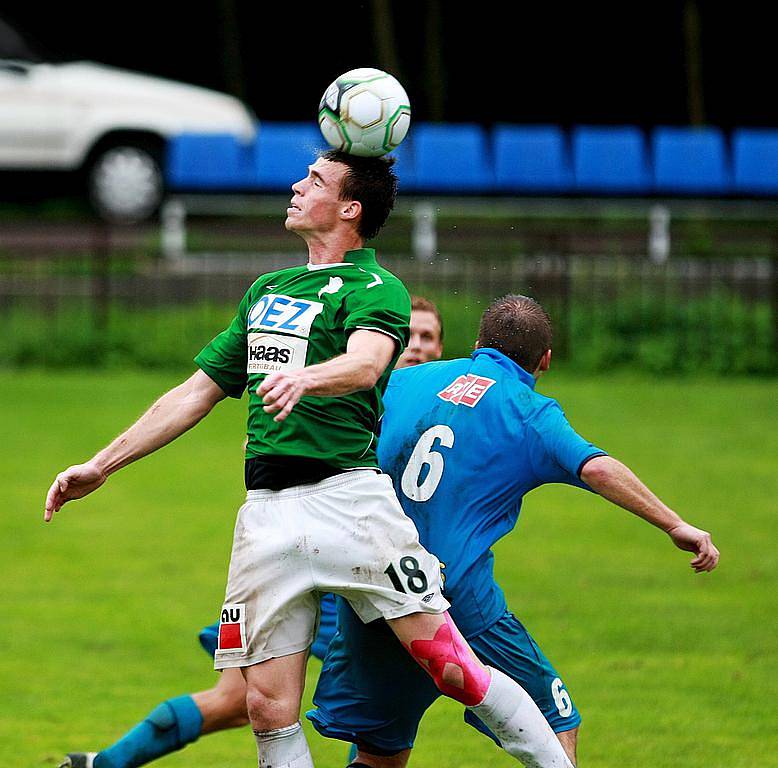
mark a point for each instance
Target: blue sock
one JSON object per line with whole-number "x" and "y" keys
{"x": 171, "y": 726}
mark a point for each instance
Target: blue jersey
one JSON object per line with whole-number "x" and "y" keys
{"x": 463, "y": 441}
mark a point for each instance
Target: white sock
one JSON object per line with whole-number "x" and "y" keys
{"x": 514, "y": 718}
{"x": 283, "y": 748}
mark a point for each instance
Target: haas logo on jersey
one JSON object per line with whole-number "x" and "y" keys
{"x": 466, "y": 390}
{"x": 276, "y": 312}
{"x": 269, "y": 352}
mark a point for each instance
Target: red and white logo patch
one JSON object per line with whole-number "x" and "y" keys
{"x": 232, "y": 628}
{"x": 466, "y": 390}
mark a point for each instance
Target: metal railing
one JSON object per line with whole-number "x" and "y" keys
{"x": 88, "y": 294}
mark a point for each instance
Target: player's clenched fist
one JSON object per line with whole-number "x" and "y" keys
{"x": 692, "y": 539}
{"x": 75, "y": 482}
{"x": 280, "y": 392}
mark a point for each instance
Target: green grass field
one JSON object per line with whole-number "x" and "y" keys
{"x": 100, "y": 609}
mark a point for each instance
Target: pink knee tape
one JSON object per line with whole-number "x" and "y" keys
{"x": 447, "y": 647}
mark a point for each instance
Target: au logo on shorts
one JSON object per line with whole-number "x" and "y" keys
{"x": 269, "y": 352}
{"x": 232, "y": 628}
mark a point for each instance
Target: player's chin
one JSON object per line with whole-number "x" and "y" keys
{"x": 294, "y": 221}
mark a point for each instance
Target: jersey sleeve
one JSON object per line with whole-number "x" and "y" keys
{"x": 382, "y": 305}
{"x": 224, "y": 358}
{"x": 560, "y": 452}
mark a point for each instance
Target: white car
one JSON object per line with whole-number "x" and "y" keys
{"x": 109, "y": 125}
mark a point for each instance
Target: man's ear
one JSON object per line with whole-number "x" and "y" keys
{"x": 545, "y": 362}
{"x": 351, "y": 211}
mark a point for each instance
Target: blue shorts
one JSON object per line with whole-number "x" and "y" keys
{"x": 370, "y": 689}
{"x": 328, "y": 619}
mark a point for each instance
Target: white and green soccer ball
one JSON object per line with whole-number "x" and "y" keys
{"x": 365, "y": 112}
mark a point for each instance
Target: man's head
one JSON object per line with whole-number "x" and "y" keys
{"x": 343, "y": 190}
{"x": 518, "y": 327}
{"x": 426, "y": 342}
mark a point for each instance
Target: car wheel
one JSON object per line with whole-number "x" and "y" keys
{"x": 125, "y": 183}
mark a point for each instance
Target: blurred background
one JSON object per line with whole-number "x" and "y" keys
{"x": 622, "y": 167}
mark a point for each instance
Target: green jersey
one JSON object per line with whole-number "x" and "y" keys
{"x": 301, "y": 316}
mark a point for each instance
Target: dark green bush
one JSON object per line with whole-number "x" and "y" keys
{"x": 719, "y": 334}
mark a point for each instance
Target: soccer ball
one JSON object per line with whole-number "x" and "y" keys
{"x": 365, "y": 112}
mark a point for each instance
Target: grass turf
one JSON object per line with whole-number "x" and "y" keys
{"x": 99, "y": 610}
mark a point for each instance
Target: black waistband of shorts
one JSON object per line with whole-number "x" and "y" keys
{"x": 275, "y": 473}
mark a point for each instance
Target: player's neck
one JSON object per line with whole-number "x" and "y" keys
{"x": 330, "y": 248}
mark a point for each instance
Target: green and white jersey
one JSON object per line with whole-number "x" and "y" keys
{"x": 301, "y": 316}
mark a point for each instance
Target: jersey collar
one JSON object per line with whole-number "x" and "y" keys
{"x": 316, "y": 267}
{"x": 506, "y": 363}
{"x": 359, "y": 256}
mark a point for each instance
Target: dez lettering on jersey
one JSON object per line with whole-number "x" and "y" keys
{"x": 286, "y": 349}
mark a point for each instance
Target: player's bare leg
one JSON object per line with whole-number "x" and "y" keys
{"x": 170, "y": 726}
{"x": 506, "y": 708}
{"x": 569, "y": 741}
{"x": 274, "y": 689}
{"x": 224, "y": 705}
{"x": 363, "y": 758}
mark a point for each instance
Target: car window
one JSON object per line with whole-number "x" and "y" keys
{"x": 14, "y": 67}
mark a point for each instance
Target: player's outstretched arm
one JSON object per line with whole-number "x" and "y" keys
{"x": 368, "y": 353}
{"x": 173, "y": 414}
{"x": 617, "y": 483}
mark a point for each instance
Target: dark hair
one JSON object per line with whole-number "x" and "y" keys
{"x": 420, "y": 304}
{"x": 518, "y": 327}
{"x": 372, "y": 182}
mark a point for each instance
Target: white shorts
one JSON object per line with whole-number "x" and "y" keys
{"x": 347, "y": 534}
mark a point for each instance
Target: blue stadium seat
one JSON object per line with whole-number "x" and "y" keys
{"x": 405, "y": 167}
{"x": 690, "y": 161}
{"x": 755, "y": 154}
{"x": 201, "y": 161}
{"x": 531, "y": 158}
{"x": 283, "y": 152}
{"x": 451, "y": 158}
{"x": 610, "y": 160}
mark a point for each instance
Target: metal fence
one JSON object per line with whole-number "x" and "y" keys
{"x": 84, "y": 294}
